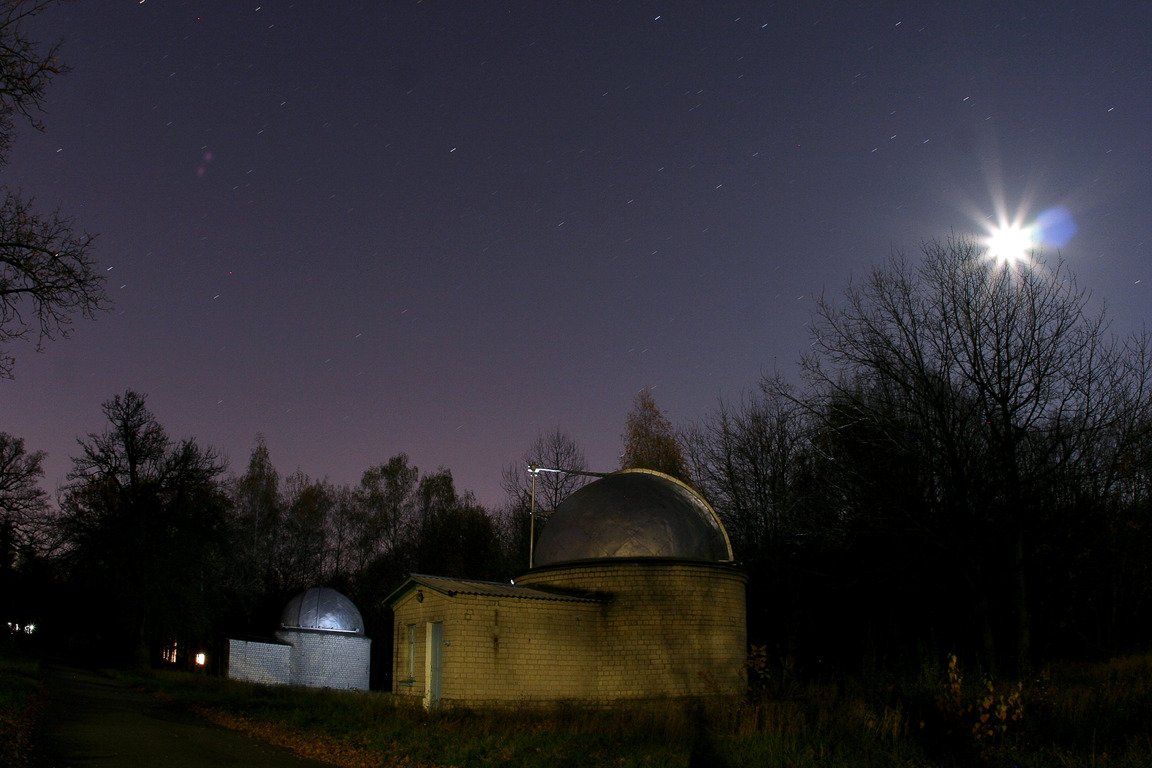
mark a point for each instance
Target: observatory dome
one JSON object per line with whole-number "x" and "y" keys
{"x": 634, "y": 513}
{"x": 324, "y": 609}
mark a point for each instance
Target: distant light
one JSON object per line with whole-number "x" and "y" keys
{"x": 29, "y": 628}
{"x": 201, "y": 659}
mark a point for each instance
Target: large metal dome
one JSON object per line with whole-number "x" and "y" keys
{"x": 633, "y": 513}
{"x": 324, "y": 609}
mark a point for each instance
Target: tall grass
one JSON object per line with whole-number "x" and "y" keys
{"x": 1072, "y": 715}
{"x": 1100, "y": 713}
{"x": 816, "y": 729}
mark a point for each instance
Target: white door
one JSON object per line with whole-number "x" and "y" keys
{"x": 433, "y": 664}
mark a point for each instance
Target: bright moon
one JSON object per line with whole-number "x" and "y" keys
{"x": 1010, "y": 244}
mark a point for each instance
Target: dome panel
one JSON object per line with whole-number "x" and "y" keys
{"x": 324, "y": 609}
{"x": 633, "y": 513}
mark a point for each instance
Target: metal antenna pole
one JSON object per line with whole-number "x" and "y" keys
{"x": 534, "y": 470}
{"x": 532, "y": 518}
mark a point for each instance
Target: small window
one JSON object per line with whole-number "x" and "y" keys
{"x": 410, "y": 658}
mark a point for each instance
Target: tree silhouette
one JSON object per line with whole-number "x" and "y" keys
{"x": 143, "y": 521}
{"x": 23, "y": 503}
{"x": 982, "y": 386}
{"x": 46, "y": 270}
{"x": 650, "y": 441}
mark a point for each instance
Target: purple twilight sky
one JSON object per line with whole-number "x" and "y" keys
{"x": 442, "y": 227}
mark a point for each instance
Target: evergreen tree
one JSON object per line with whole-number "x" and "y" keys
{"x": 650, "y": 441}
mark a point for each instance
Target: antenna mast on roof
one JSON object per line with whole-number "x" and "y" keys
{"x": 534, "y": 470}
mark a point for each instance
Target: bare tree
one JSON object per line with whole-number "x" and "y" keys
{"x": 551, "y": 450}
{"x": 24, "y": 71}
{"x": 143, "y": 521}
{"x": 47, "y": 274}
{"x": 554, "y": 449}
{"x": 993, "y": 381}
{"x": 751, "y": 460}
{"x": 23, "y": 503}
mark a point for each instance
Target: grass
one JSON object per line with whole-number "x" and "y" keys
{"x": 1094, "y": 714}
{"x": 358, "y": 729}
{"x": 21, "y": 699}
{"x": 363, "y": 729}
{"x": 1086, "y": 715}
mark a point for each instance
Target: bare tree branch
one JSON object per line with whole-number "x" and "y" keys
{"x": 47, "y": 275}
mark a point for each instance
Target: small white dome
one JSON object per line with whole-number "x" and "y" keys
{"x": 324, "y": 609}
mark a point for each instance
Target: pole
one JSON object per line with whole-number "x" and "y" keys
{"x": 532, "y": 518}
{"x": 534, "y": 470}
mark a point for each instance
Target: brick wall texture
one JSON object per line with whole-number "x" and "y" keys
{"x": 327, "y": 659}
{"x": 258, "y": 662}
{"x": 316, "y": 659}
{"x": 660, "y": 629}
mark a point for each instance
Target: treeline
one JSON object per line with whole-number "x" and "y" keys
{"x": 155, "y": 553}
{"x": 966, "y": 466}
{"x": 963, "y": 465}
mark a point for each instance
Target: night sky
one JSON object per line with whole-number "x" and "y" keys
{"x": 361, "y": 228}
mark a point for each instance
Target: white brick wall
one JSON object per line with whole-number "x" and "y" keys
{"x": 258, "y": 662}
{"x": 328, "y": 659}
{"x": 316, "y": 659}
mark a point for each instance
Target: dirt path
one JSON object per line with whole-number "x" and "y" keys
{"x": 97, "y": 722}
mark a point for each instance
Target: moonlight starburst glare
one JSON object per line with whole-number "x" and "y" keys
{"x": 1010, "y": 243}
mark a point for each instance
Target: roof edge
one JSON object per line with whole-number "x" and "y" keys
{"x": 612, "y": 562}
{"x": 443, "y": 585}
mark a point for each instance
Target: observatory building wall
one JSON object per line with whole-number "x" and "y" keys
{"x": 632, "y": 593}
{"x": 259, "y": 662}
{"x": 669, "y": 629}
{"x": 320, "y": 643}
{"x": 498, "y": 649}
{"x": 327, "y": 659}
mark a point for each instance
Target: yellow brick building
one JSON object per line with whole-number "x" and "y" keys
{"x": 634, "y": 595}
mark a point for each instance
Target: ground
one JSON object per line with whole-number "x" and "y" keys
{"x": 98, "y": 722}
